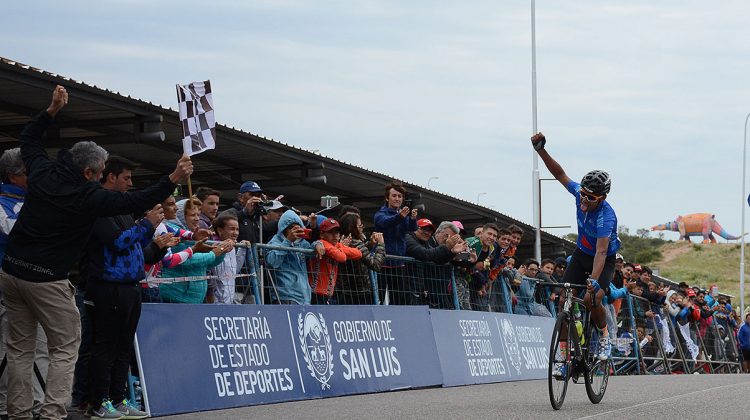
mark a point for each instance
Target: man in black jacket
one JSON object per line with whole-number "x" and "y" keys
{"x": 431, "y": 280}
{"x": 250, "y": 211}
{"x": 62, "y": 203}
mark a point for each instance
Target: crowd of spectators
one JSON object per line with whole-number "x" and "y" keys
{"x": 689, "y": 325}
{"x": 78, "y": 218}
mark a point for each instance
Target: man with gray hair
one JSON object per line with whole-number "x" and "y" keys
{"x": 63, "y": 201}
{"x": 441, "y": 247}
{"x": 460, "y": 262}
{"x": 12, "y": 192}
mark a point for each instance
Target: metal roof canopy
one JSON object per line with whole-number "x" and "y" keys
{"x": 129, "y": 127}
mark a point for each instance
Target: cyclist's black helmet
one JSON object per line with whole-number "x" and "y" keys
{"x": 596, "y": 182}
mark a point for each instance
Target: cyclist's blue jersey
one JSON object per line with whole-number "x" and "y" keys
{"x": 600, "y": 223}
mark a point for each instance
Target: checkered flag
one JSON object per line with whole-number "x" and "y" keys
{"x": 197, "y": 117}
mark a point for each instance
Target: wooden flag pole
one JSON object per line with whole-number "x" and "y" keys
{"x": 190, "y": 189}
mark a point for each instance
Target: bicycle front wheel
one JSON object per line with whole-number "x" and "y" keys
{"x": 596, "y": 374}
{"x": 560, "y": 364}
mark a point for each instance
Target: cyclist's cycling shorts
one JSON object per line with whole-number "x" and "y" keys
{"x": 581, "y": 265}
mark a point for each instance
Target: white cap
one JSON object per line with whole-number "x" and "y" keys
{"x": 275, "y": 206}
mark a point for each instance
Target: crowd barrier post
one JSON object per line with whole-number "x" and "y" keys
{"x": 716, "y": 348}
{"x": 723, "y": 348}
{"x": 456, "y": 302}
{"x": 374, "y": 283}
{"x": 679, "y": 343}
{"x": 261, "y": 270}
{"x": 703, "y": 361}
{"x": 252, "y": 262}
{"x": 506, "y": 296}
{"x": 636, "y": 342}
{"x": 733, "y": 357}
{"x": 628, "y": 362}
{"x": 551, "y": 305}
{"x": 661, "y": 359}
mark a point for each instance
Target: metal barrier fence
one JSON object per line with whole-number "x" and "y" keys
{"x": 398, "y": 280}
{"x": 645, "y": 338}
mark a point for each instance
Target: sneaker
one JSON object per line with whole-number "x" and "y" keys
{"x": 130, "y": 410}
{"x": 560, "y": 371}
{"x": 106, "y": 411}
{"x": 605, "y": 348}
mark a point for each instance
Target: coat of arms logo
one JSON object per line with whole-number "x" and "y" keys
{"x": 316, "y": 346}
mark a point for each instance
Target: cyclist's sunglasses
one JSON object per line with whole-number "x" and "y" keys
{"x": 589, "y": 197}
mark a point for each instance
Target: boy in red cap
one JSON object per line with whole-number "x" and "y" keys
{"x": 323, "y": 272}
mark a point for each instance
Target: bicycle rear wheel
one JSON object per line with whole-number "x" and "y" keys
{"x": 558, "y": 385}
{"x": 596, "y": 374}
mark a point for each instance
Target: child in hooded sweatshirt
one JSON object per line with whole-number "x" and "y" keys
{"x": 288, "y": 272}
{"x": 221, "y": 283}
{"x": 323, "y": 271}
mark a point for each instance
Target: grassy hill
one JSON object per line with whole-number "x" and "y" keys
{"x": 703, "y": 265}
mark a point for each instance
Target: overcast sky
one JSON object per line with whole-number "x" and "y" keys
{"x": 656, "y": 93}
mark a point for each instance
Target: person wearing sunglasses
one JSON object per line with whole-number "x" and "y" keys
{"x": 593, "y": 261}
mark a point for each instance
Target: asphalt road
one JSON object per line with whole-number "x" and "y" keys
{"x": 664, "y": 396}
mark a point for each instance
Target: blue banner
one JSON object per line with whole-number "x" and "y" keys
{"x": 205, "y": 357}
{"x": 484, "y": 347}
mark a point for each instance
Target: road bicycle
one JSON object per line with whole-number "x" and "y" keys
{"x": 577, "y": 334}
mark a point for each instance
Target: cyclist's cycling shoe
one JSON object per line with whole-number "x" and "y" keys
{"x": 559, "y": 371}
{"x": 605, "y": 348}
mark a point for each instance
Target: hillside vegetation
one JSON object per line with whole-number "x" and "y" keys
{"x": 703, "y": 265}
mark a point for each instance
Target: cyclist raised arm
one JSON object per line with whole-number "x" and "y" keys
{"x": 597, "y": 243}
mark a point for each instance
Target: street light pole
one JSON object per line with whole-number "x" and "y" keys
{"x": 430, "y": 180}
{"x": 479, "y": 195}
{"x": 742, "y": 247}
{"x": 537, "y": 197}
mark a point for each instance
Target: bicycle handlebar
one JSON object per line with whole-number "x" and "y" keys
{"x": 563, "y": 285}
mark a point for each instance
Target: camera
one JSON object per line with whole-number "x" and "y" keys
{"x": 408, "y": 203}
{"x": 462, "y": 256}
{"x": 261, "y": 208}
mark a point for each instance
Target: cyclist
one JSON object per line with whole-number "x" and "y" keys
{"x": 594, "y": 258}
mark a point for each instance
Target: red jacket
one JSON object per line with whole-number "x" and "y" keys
{"x": 322, "y": 273}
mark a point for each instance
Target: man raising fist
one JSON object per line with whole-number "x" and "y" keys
{"x": 63, "y": 201}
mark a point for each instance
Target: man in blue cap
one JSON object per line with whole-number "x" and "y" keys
{"x": 249, "y": 211}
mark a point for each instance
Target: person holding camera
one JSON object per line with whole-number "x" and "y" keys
{"x": 395, "y": 221}
{"x": 250, "y": 210}
{"x": 356, "y": 285}
{"x": 288, "y": 269}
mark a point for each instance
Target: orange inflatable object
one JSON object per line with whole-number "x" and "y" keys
{"x": 697, "y": 224}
